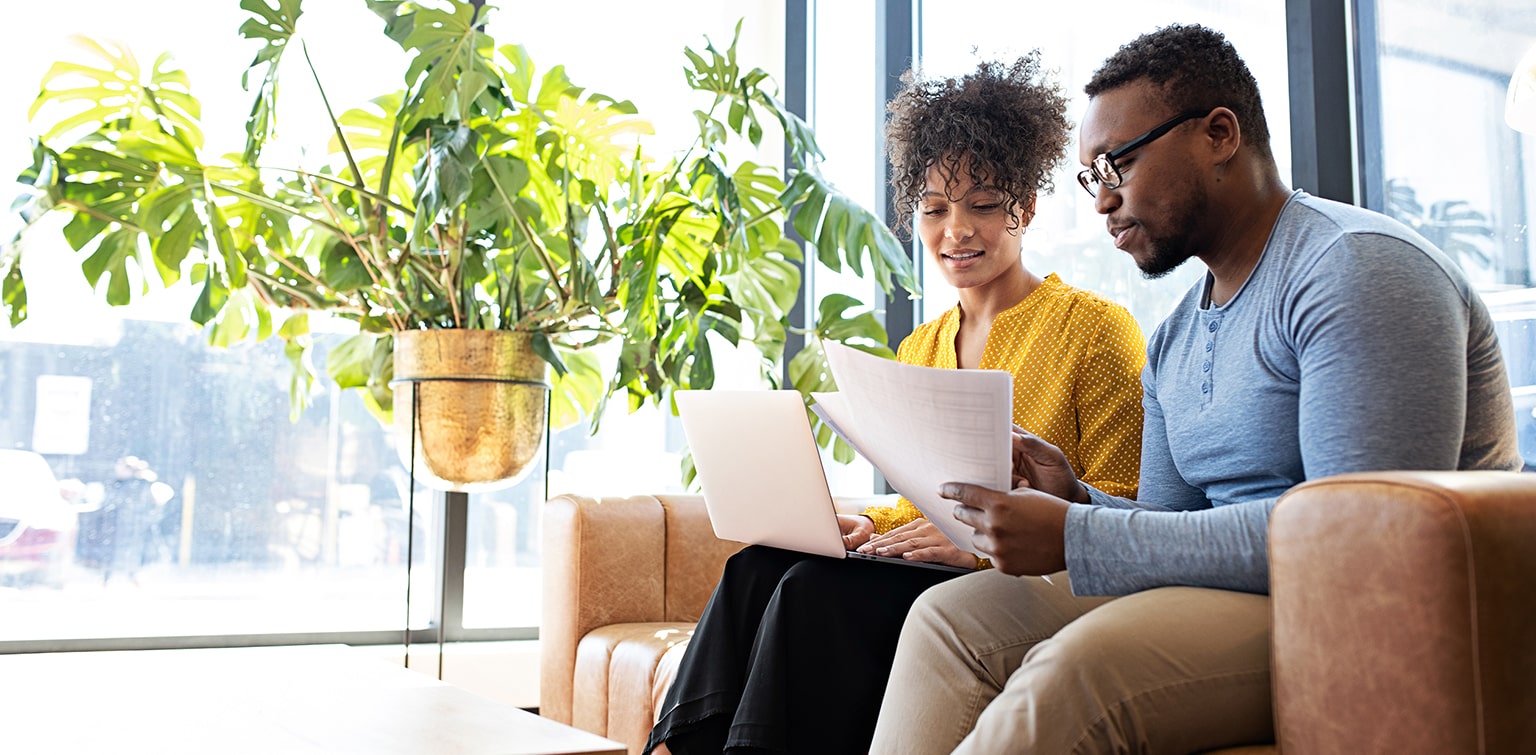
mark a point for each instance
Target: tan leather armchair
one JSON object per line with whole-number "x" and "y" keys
{"x": 1405, "y": 611}
{"x": 625, "y": 579}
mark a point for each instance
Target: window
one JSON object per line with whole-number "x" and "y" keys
{"x": 1067, "y": 236}
{"x": 845, "y": 108}
{"x": 234, "y": 520}
{"x": 1451, "y": 167}
{"x": 277, "y": 527}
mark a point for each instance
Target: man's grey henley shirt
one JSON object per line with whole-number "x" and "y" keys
{"x": 1353, "y": 346}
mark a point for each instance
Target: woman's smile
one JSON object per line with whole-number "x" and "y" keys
{"x": 962, "y": 258}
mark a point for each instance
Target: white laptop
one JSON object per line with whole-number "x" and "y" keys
{"x": 760, "y": 469}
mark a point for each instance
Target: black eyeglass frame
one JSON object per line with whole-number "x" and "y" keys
{"x": 1098, "y": 173}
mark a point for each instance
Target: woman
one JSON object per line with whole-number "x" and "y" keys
{"x": 793, "y": 650}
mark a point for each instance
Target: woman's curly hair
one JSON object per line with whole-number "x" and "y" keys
{"x": 1006, "y": 123}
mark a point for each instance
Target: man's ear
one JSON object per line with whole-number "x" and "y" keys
{"x": 1223, "y": 134}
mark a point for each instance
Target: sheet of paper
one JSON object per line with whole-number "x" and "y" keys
{"x": 833, "y": 412}
{"x": 922, "y": 427}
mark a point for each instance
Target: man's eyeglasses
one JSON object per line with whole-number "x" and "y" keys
{"x": 1103, "y": 173}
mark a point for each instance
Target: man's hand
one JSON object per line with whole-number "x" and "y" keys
{"x": 1024, "y": 530}
{"x": 1042, "y": 466}
{"x": 857, "y": 530}
{"x": 918, "y": 540}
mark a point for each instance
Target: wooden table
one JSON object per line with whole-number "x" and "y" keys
{"x": 281, "y": 700}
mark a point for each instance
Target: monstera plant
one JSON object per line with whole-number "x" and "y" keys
{"x": 484, "y": 194}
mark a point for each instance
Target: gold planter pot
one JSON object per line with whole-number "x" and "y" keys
{"x": 477, "y": 401}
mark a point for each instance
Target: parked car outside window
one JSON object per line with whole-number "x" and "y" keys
{"x": 37, "y": 523}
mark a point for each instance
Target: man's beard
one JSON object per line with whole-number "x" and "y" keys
{"x": 1169, "y": 252}
{"x": 1167, "y": 255}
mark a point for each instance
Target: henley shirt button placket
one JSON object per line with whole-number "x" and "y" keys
{"x": 1205, "y": 367}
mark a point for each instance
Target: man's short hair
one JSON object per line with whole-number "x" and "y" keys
{"x": 1197, "y": 69}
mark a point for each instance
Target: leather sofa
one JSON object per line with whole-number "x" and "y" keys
{"x": 1404, "y": 603}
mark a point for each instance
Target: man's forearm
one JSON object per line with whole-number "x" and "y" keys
{"x": 1126, "y": 549}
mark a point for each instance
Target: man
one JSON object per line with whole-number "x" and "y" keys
{"x": 1324, "y": 339}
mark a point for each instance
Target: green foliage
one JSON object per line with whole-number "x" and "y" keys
{"x": 276, "y": 27}
{"x": 486, "y": 193}
{"x": 808, "y": 370}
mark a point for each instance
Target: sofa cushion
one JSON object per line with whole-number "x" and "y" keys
{"x": 666, "y": 673}
{"x": 622, "y": 662}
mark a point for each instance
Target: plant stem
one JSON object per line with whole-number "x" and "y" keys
{"x": 272, "y": 204}
{"x": 312, "y": 300}
{"x": 341, "y": 136}
{"x": 613, "y": 250}
{"x": 99, "y": 215}
{"x": 369, "y": 264}
{"x": 389, "y": 157}
{"x": 534, "y": 242}
{"x": 361, "y": 191}
{"x": 299, "y": 270}
{"x": 543, "y": 255}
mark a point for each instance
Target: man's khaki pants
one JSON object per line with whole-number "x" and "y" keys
{"x": 989, "y": 663}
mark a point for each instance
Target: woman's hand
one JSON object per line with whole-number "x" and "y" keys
{"x": 1043, "y": 467}
{"x": 918, "y": 541}
{"x": 857, "y": 530}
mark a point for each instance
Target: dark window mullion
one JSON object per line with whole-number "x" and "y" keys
{"x": 448, "y": 611}
{"x": 895, "y": 51}
{"x": 1372, "y": 185}
{"x": 798, "y": 70}
{"x": 1322, "y": 154}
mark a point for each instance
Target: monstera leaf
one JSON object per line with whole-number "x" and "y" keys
{"x": 845, "y": 232}
{"x": 809, "y": 371}
{"x": 115, "y": 92}
{"x": 275, "y": 27}
{"x": 600, "y": 136}
{"x": 450, "y": 69}
{"x": 745, "y": 96}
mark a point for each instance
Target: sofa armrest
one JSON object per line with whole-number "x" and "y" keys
{"x": 619, "y": 560}
{"x": 1403, "y": 613}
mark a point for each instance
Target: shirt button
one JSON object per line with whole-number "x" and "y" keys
{"x": 1205, "y": 387}
{"x": 1208, "y": 345}
{"x": 1205, "y": 367}
{"x": 1212, "y": 326}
